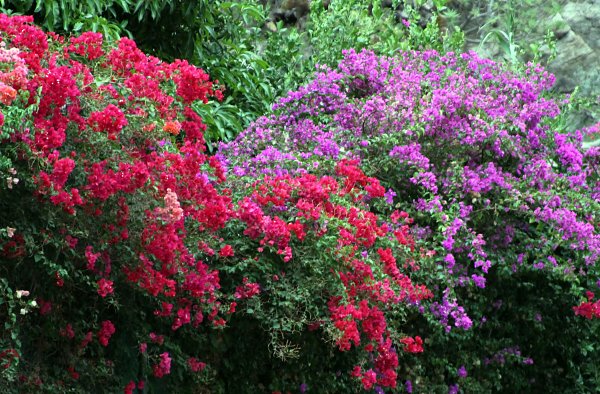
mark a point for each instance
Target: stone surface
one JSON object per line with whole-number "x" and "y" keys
{"x": 577, "y": 62}
{"x": 576, "y": 29}
{"x": 289, "y": 11}
{"x": 578, "y": 53}
{"x": 584, "y": 20}
{"x": 559, "y": 26}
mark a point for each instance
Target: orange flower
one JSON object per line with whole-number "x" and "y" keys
{"x": 172, "y": 127}
{"x": 7, "y": 94}
{"x": 149, "y": 127}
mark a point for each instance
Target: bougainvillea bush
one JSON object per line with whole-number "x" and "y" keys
{"x": 504, "y": 200}
{"x": 130, "y": 263}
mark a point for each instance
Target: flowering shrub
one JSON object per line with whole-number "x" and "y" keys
{"x": 139, "y": 266}
{"x": 83, "y": 134}
{"x": 588, "y": 309}
{"x": 502, "y": 196}
{"x": 314, "y": 239}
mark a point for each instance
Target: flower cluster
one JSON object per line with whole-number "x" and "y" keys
{"x": 163, "y": 367}
{"x": 112, "y": 199}
{"x": 110, "y": 120}
{"x": 413, "y": 345}
{"x": 459, "y": 112}
{"x": 172, "y": 212}
{"x": 106, "y": 331}
{"x": 450, "y": 308}
{"x": 478, "y": 155}
{"x": 105, "y": 287}
{"x": 588, "y": 309}
{"x": 340, "y": 215}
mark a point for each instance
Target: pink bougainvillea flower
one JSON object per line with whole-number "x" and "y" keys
{"x": 163, "y": 367}
{"x": 105, "y": 287}
{"x": 107, "y": 330}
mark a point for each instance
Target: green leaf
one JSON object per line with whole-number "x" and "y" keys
{"x": 124, "y": 4}
{"x": 377, "y": 9}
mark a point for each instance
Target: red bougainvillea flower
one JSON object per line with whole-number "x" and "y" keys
{"x": 588, "y": 309}
{"x": 88, "y": 45}
{"x": 111, "y": 120}
{"x": 105, "y": 287}
{"x": 369, "y": 379}
{"x": 226, "y": 251}
{"x": 247, "y": 290}
{"x": 74, "y": 374}
{"x": 86, "y": 340}
{"x": 67, "y": 331}
{"x": 195, "y": 365}
{"x": 413, "y": 345}
{"x": 163, "y": 367}
{"x": 107, "y": 330}
{"x": 129, "y": 387}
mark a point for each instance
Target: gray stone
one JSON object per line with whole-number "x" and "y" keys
{"x": 571, "y": 49}
{"x": 584, "y": 19}
{"x": 578, "y": 48}
{"x": 559, "y": 26}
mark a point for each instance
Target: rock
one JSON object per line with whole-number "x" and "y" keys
{"x": 577, "y": 29}
{"x": 572, "y": 49}
{"x": 428, "y": 6}
{"x": 576, "y": 64}
{"x": 291, "y": 11}
{"x": 559, "y": 26}
{"x": 584, "y": 19}
{"x": 270, "y": 25}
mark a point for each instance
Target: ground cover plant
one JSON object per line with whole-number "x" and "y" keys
{"x": 130, "y": 263}
{"x": 503, "y": 197}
